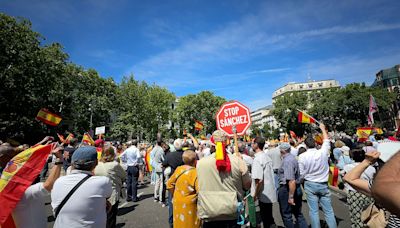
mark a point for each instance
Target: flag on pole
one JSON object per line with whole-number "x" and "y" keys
{"x": 333, "y": 179}
{"x": 69, "y": 137}
{"x": 293, "y": 135}
{"x": 372, "y": 109}
{"x": 18, "y": 175}
{"x": 48, "y": 117}
{"x": 87, "y": 139}
{"x": 61, "y": 138}
{"x": 198, "y": 125}
{"x": 305, "y": 118}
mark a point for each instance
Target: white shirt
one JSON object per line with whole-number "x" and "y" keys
{"x": 30, "y": 210}
{"x": 87, "y": 206}
{"x": 262, "y": 170}
{"x": 367, "y": 175}
{"x": 275, "y": 155}
{"x": 294, "y": 151}
{"x": 313, "y": 163}
{"x": 132, "y": 156}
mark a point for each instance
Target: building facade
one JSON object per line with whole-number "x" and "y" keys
{"x": 263, "y": 116}
{"x": 305, "y": 86}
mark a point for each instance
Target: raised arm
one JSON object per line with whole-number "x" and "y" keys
{"x": 353, "y": 177}
{"x": 386, "y": 186}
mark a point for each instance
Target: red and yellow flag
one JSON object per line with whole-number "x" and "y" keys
{"x": 69, "y": 137}
{"x": 198, "y": 125}
{"x": 48, "y": 117}
{"x": 18, "y": 175}
{"x": 87, "y": 139}
{"x": 61, "y": 138}
{"x": 147, "y": 159}
{"x": 304, "y": 118}
{"x": 333, "y": 176}
{"x": 318, "y": 139}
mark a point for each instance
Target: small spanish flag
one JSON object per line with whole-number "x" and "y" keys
{"x": 305, "y": 118}
{"x": 318, "y": 139}
{"x": 87, "y": 139}
{"x": 198, "y": 125}
{"x": 147, "y": 160}
{"x": 48, "y": 117}
{"x": 333, "y": 176}
{"x": 61, "y": 138}
{"x": 69, "y": 137}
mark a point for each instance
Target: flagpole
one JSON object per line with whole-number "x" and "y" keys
{"x": 309, "y": 116}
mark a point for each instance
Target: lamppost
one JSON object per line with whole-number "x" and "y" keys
{"x": 91, "y": 118}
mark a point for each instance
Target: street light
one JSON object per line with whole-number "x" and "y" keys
{"x": 91, "y": 117}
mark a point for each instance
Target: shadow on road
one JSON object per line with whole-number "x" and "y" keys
{"x": 146, "y": 196}
{"x": 119, "y": 225}
{"x": 125, "y": 210}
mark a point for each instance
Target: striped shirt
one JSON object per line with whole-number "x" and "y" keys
{"x": 289, "y": 169}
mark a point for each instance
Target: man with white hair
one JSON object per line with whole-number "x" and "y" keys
{"x": 173, "y": 160}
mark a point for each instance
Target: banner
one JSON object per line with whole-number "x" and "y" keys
{"x": 18, "y": 175}
{"x": 48, "y": 117}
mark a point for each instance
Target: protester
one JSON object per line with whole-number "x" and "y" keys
{"x": 293, "y": 149}
{"x": 184, "y": 187}
{"x": 337, "y": 152}
{"x": 68, "y": 152}
{"x": 356, "y": 200}
{"x": 86, "y": 207}
{"x": 386, "y": 186}
{"x": 221, "y": 185}
{"x": 263, "y": 185}
{"x": 275, "y": 154}
{"x": 289, "y": 192}
{"x": 246, "y": 158}
{"x": 158, "y": 158}
{"x": 344, "y": 159}
{"x": 314, "y": 169}
{"x": 108, "y": 167}
{"x": 30, "y": 211}
{"x": 353, "y": 178}
{"x": 132, "y": 156}
{"x": 173, "y": 160}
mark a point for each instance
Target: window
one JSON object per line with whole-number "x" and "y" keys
{"x": 310, "y": 86}
{"x": 320, "y": 84}
{"x": 301, "y": 86}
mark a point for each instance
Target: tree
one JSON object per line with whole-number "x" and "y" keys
{"x": 202, "y": 106}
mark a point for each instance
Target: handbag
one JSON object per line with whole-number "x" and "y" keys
{"x": 58, "y": 209}
{"x": 374, "y": 217}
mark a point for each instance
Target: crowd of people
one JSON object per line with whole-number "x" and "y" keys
{"x": 212, "y": 183}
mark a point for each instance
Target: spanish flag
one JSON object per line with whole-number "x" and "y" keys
{"x": 305, "y": 118}
{"x": 69, "y": 137}
{"x": 198, "y": 125}
{"x": 87, "y": 139}
{"x": 18, "y": 175}
{"x": 61, "y": 138}
{"x": 147, "y": 159}
{"x": 48, "y": 117}
{"x": 333, "y": 176}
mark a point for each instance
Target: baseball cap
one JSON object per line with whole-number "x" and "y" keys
{"x": 84, "y": 156}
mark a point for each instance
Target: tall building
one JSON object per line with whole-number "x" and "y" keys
{"x": 263, "y": 116}
{"x": 305, "y": 86}
{"x": 388, "y": 78}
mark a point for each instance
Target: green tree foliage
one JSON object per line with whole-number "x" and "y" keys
{"x": 202, "y": 106}
{"x": 36, "y": 76}
{"x": 342, "y": 109}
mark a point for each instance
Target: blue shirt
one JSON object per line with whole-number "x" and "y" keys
{"x": 289, "y": 169}
{"x": 132, "y": 156}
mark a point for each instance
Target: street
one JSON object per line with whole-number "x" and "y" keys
{"x": 146, "y": 213}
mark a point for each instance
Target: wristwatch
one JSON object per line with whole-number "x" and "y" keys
{"x": 290, "y": 196}
{"x": 59, "y": 163}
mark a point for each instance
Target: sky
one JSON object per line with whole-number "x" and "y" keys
{"x": 240, "y": 49}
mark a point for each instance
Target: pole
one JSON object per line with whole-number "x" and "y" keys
{"x": 91, "y": 118}
{"x": 235, "y": 138}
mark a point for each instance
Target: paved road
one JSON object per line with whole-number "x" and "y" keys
{"x": 146, "y": 213}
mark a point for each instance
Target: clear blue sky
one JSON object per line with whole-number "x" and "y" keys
{"x": 240, "y": 49}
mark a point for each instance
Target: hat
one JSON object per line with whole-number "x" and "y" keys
{"x": 284, "y": 146}
{"x": 98, "y": 142}
{"x": 219, "y": 136}
{"x": 84, "y": 156}
{"x": 388, "y": 149}
{"x": 345, "y": 150}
